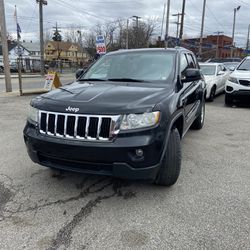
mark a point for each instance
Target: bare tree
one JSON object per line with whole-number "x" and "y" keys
{"x": 74, "y": 34}
{"x": 115, "y": 34}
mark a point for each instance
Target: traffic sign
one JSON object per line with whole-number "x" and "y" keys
{"x": 100, "y": 39}
{"x": 101, "y": 49}
{"x": 100, "y": 45}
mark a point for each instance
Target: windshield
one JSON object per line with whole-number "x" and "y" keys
{"x": 208, "y": 70}
{"x": 245, "y": 65}
{"x": 133, "y": 66}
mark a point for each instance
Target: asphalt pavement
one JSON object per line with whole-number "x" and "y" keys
{"x": 208, "y": 208}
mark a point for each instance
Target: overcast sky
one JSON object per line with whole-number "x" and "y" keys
{"x": 87, "y": 13}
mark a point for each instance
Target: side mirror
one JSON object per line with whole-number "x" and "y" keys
{"x": 220, "y": 73}
{"x": 79, "y": 72}
{"x": 192, "y": 75}
{"x": 232, "y": 68}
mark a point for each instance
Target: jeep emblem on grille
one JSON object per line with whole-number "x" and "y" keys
{"x": 72, "y": 109}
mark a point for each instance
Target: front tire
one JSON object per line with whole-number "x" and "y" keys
{"x": 171, "y": 163}
{"x": 228, "y": 100}
{"x": 212, "y": 94}
{"x": 199, "y": 121}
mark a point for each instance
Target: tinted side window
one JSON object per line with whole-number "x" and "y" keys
{"x": 223, "y": 68}
{"x": 191, "y": 61}
{"x": 219, "y": 69}
{"x": 184, "y": 64}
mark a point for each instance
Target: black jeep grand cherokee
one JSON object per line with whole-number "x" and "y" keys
{"x": 123, "y": 117}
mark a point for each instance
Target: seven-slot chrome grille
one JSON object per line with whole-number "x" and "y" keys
{"x": 78, "y": 126}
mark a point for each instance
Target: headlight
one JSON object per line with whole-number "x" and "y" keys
{"x": 134, "y": 121}
{"x": 33, "y": 115}
{"x": 232, "y": 79}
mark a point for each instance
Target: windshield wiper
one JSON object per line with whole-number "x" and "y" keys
{"x": 125, "y": 80}
{"x": 91, "y": 79}
{"x": 245, "y": 69}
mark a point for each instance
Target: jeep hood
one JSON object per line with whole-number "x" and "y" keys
{"x": 104, "y": 97}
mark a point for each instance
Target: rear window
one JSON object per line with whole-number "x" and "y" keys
{"x": 208, "y": 69}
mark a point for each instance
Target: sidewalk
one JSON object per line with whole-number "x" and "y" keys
{"x": 14, "y": 76}
{"x": 23, "y": 76}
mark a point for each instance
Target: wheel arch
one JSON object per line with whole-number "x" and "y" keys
{"x": 178, "y": 123}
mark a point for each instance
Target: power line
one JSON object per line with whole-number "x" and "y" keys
{"x": 214, "y": 17}
{"x": 33, "y": 14}
{"x": 78, "y": 10}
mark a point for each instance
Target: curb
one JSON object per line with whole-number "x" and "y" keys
{"x": 35, "y": 76}
{"x": 23, "y": 76}
{"x": 16, "y": 93}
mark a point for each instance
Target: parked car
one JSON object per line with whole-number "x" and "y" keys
{"x": 1, "y": 66}
{"x": 216, "y": 76}
{"x": 223, "y": 60}
{"x": 238, "y": 85}
{"x": 13, "y": 67}
{"x": 124, "y": 117}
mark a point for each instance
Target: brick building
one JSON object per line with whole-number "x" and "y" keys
{"x": 213, "y": 46}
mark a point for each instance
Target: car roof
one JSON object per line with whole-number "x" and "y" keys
{"x": 212, "y": 64}
{"x": 176, "y": 50}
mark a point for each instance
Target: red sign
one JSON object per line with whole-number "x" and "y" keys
{"x": 101, "y": 49}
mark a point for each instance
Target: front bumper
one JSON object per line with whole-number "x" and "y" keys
{"x": 237, "y": 91}
{"x": 116, "y": 158}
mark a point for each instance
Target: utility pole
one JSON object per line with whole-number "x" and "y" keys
{"x": 41, "y": 3}
{"x": 167, "y": 24}
{"x": 232, "y": 48}
{"x": 202, "y": 28}
{"x": 19, "y": 53}
{"x": 162, "y": 23}
{"x": 182, "y": 19}
{"x": 127, "y": 34}
{"x": 217, "y": 48}
{"x": 3, "y": 32}
{"x": 248, "y": 34}
{"x": 178, "y": 25}
{"x": 137, "y": 29}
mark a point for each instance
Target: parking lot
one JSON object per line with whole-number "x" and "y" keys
{"x": 208, "y": 208}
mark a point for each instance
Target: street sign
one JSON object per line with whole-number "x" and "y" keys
{"x": 100, "y": 45}
{"x": 100, "y": 40}
{"x": 101, "y": 49}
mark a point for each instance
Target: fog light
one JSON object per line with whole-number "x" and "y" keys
{"x": 229, "y": 88}
{"x": 139, "y": 152}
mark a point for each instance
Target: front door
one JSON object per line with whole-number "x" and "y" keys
{"x": 190, "y": 96}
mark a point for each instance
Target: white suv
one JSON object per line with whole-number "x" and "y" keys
{"x": 216, "y": 76}
{"x": 238, "y": 84}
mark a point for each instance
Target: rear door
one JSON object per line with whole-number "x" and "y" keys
{"x": 190, "y": 95}
{"x": 221, "y": 78}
